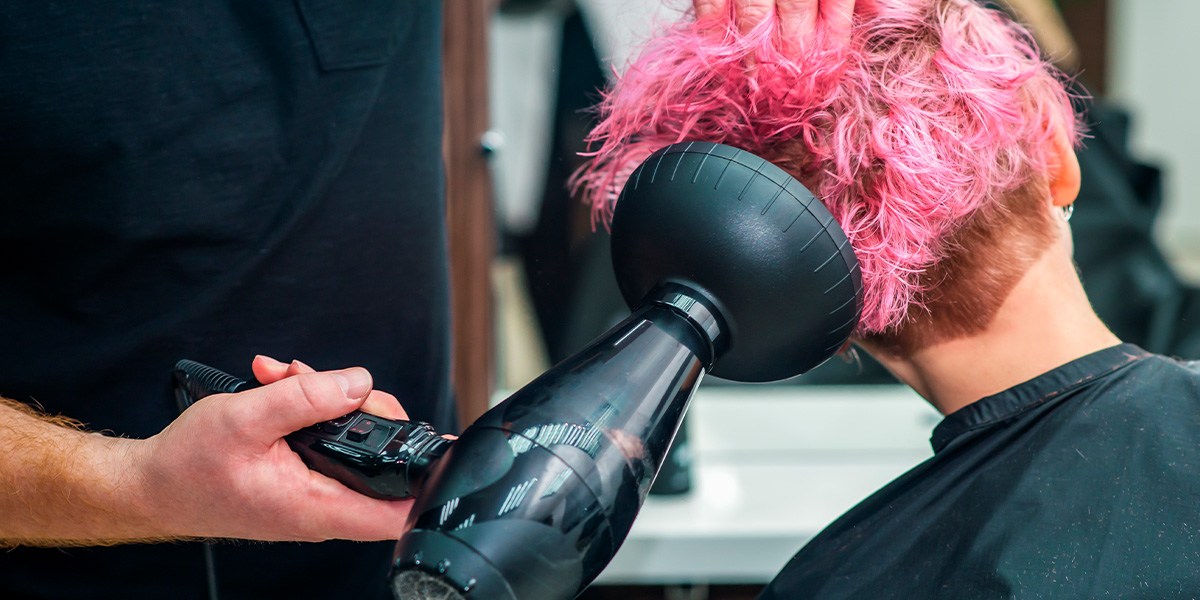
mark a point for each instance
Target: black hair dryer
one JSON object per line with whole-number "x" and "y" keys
{"x": 731, "y": 267}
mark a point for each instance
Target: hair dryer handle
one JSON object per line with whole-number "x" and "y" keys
{"x": 378, "y": 457}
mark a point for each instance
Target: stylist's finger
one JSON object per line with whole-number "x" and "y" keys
{"x": 837, "y": 16}
{"x": 294, "y": 403}
{"x": 749, "y": 13}
{"x": 798, "y": 19}
{"x": 268, "y": 370}
{"x": 383, "y": 404}
{"x": 710, "y": 8}
{"x": 297, "y": 367}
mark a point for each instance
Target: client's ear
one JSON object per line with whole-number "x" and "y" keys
{"x": 1064, "y": 170}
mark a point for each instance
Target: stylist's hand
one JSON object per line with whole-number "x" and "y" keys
{"x": 798, "y": 19}
{"x": 222, "y": 469}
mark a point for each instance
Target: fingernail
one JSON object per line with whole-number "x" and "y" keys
{"x": 356, "y": 383}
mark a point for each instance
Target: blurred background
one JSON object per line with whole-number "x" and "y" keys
{"x": 760, "y": 469}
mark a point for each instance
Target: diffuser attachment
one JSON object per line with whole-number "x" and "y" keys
{"x": 754, "y": 241}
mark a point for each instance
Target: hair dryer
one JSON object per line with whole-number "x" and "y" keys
{"x": 731, "y": 267}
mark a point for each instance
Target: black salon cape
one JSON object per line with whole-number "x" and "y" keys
{"x": 211, "y": 180}
{"x": 1081, "y": 483}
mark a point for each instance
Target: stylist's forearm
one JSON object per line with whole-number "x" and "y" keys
{"x": 220, "y": 470}
{"x": 62, "y": 486}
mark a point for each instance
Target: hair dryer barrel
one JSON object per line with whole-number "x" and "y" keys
{"x": 535, "y": 498}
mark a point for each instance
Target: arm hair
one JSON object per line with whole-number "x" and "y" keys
{"x": 61, "y": 485}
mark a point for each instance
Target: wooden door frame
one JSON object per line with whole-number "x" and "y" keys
{"x": 469, "y": 219}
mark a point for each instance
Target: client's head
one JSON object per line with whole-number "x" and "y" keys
{"x": 936, "y": 135}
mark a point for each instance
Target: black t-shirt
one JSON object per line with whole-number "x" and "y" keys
{"x": 1081, "y": 483}
{"x": 211, "y": 180}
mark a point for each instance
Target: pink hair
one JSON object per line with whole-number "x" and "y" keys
{"x": 933, "y": 110}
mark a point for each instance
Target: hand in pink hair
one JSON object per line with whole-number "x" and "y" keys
{"x": 798, "y": 19}
{"x": 904, "y": 125}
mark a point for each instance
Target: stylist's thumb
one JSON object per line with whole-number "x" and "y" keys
{"x": 294, "y": 403}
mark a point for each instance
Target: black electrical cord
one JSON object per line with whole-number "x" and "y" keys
{"x": 184, "y": 399}
{"x": 210, "y": 571}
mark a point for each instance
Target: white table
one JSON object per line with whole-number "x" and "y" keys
{"x": 772, "y": 466}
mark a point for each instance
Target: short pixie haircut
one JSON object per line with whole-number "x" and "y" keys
{"x": 931, "y": 128}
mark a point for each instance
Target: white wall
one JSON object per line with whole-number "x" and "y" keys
{"x": 1155, "y": 64}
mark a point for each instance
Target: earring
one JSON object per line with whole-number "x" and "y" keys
{"x": 1067, "y": 211}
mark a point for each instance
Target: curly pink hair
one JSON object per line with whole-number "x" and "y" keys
{"x": 934, "y": 110}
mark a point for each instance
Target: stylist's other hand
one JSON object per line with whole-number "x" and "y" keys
{"x": 223, "y": 470}
{"x": 798, "y": 19}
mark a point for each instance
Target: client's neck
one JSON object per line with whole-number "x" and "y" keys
{"x": 1045, "y": 322}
